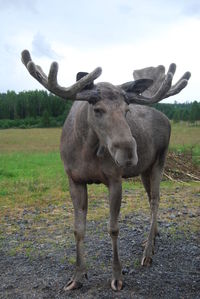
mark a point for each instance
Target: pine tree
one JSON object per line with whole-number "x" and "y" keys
{"x": 45, "y": 119}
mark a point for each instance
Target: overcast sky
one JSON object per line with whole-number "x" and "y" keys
{"x": 118, "y": 35}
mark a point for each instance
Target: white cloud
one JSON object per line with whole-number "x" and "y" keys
{"x": 41, "y": 47}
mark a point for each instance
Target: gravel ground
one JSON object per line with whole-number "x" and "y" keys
{"x": 175, "y": 272}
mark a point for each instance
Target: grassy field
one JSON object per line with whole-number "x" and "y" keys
{"x": 32, "y": 178}
{"x": 186, "y": 138}
{"x": 29, "y": 141}
{"x": 183, "y": 137}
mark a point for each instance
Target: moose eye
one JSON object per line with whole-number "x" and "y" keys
{"x": 99, "y": 112}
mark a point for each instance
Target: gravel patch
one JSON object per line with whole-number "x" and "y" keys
{"x": 175, "y": 272}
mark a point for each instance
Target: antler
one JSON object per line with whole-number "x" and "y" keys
{"x": 51, "y": 84}
{"x": 162, "y": 84}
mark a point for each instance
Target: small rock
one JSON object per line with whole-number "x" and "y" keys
{"x": 167, "y": 224}
{"x": 125, "y": 271}
{"x": 9, "y": 287}
{"x": 35, "y": 286}
{"x": 172, "y": 216}
{"x": 185, "y": 212}
{"x": 191, "y": 215}
{"x": 131, "y": 271}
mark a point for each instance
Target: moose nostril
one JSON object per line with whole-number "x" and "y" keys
{"x": 130, "y": 155}
{"x": 116, "y": 145}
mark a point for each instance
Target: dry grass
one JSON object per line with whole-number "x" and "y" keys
{"x": 29, "y": 140}
{"x": 46, "y": 140}
{"x": 184, "y": 134}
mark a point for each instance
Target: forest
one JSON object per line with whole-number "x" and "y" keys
{"x": 36, "y": 109}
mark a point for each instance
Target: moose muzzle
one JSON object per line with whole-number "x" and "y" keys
{"x": 124, "y": 152}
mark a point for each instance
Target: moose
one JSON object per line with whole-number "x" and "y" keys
{"x": 110, "y": 133}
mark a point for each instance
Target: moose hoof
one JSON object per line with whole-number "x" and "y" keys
{"x": 72, "y": 285}
{"x": 146, "y": 261}
{"x": 116, "y": 285}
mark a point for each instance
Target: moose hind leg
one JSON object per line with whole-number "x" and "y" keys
{"x": 115, "y": 195}
{"x": 153, "y": 190}
{"x": 80, "y": 202}
{"x": 146, "y": 180}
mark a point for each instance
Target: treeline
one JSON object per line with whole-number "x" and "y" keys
{"x": 42, "y": 109}
{"x": 186, "y": 112}
{"x": 32, "y": 109}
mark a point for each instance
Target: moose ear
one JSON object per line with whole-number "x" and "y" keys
{"x": 137, "y": 86}
{"x": 81, "y": 75}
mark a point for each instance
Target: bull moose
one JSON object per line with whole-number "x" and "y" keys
{"x": 111, "y": 134}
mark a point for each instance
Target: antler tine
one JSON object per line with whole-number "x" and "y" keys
{"x": 50, "y": 82}
{"x": 35, "y": 70}
{"x": 172, "y": 68}
{"x": 182, "y": 83}
{"x": 159, "y": 95}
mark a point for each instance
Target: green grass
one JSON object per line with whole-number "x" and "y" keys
{"x": 20, "y": 166}
{"x": 33, "y": 173}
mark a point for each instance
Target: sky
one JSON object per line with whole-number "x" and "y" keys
{"x": 118, "y": 35}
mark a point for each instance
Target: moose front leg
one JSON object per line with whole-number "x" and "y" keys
{"x": 80, "y": 202}
{"x": 115, "y": 195}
